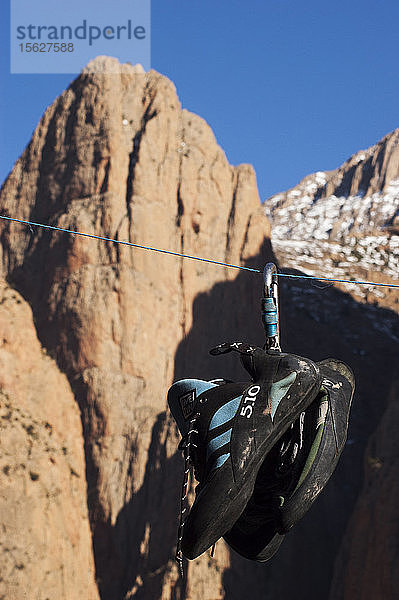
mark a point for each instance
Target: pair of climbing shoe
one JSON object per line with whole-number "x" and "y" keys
{"x": 262, "y": 450}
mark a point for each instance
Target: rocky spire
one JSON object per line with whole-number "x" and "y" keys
{"x": 115, "y": 155}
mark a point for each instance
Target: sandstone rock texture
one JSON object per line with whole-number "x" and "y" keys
{"x": 45, "y": 542}
{"x": 106, "y": 328}
{"x": 116, "y": 156}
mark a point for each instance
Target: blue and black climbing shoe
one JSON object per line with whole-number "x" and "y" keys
{"x": 297, "y": 468}
{"x": 228, "y": 429}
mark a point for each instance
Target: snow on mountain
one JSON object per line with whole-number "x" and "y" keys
{"x": 344, "y": 223}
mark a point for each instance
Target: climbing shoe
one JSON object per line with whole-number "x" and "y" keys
{"x": 297, "y": 468}
{"x": 228, "y": 429}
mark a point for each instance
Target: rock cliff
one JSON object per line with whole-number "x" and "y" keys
{"x": 97, "y": 330}
{"x": 344, "y": 223}
{"x": 368, "y": 564}
{"x": 115, "y": 155}
{"x": 45, "y": 536}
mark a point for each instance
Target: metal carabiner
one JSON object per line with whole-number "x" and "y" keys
{"x": 269, "y": 307}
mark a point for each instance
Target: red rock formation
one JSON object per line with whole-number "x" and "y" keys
{"x": 116, "y": 156}
{"x": 45, "y": 536}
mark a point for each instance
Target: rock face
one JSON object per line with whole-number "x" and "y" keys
{"x": 45, "y": 536}
{"x": 328, "y": 322}
{"x": 368, "y": 564}
{"x": 116, "y": 156}
{"x": 345, "y": 223}
{"x": 103, "y": 329}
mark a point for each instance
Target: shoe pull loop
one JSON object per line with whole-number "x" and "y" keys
{"x": 269, "y": 307}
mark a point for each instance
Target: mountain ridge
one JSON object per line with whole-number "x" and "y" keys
{"x": 344, "y": 223}
{"x": 115, "y": 155}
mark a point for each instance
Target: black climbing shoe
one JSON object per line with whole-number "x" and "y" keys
{"x": 228, "y": 431}
{"x": 297, "y": 468}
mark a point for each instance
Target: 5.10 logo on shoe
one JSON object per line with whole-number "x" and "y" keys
{"x": 249, "y": 401}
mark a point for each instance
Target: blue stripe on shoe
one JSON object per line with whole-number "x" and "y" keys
{"x": 279, "y": 390}
{"x": 220, "y": 461}
{"x": 218, "y": 442}
{"x": 225, "y": 413}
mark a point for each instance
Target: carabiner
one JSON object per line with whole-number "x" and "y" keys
{"x": 269, "y": 307}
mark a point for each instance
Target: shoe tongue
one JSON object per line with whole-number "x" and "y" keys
{"x": 261, "y": 365}
{"x": 183, "y": 400}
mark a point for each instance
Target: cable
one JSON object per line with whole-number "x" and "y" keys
{"x": 106, "y": 239}
{"x": 338, "y": 280}
{"x": 207, "y": 260}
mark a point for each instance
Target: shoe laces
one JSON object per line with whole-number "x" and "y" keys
{"x": 187, "y": 446}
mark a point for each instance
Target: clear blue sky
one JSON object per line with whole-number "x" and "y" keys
{"x": 291, "y": 87}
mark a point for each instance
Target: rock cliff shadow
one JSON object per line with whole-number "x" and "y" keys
{"x": 135, "y": 556}
{"x": 320, "y": 324}
{"x": 229, "y": 311}
{"x": 317, "y": 323}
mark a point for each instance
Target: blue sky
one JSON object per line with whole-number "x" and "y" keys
{"x": 290, "y": 87}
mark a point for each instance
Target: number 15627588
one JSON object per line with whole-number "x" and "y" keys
{"x": 46, "y": 47}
